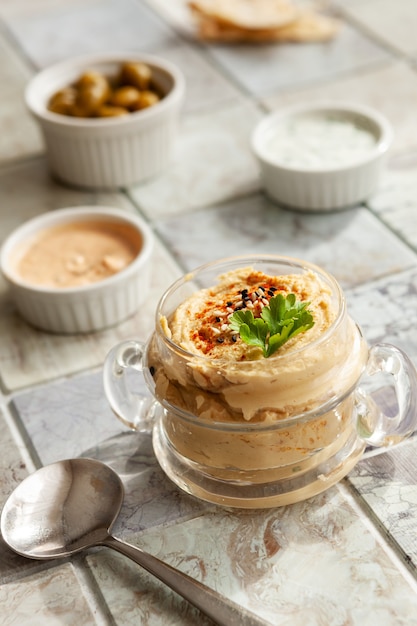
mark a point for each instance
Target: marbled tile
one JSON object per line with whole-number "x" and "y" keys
{"x": 61, "y": 32}
{"x": 395, "y": 201}
{"x": 27, "y": 190}
{"x": 19, "y": 136}
{"x": 73, "y": 418}
{"x": 151, "y": 499}
{"x": 312, "y": 563}
{"x": 391, "y": 21}
{"x": 350, "y": 244}
{"x": 206, "y": 87}
{"x": 29, "y": 9}
{"x": 66, "y": 418}
{"x": 266, "y": 69}
{"x": 212, "y": 162}
{"x": 12, "y": 466}
{"x": 48, "y": 598}
{"x": 390, "y": 88}
{"x": 388, "y": 484}
{"x": 12, "y": 471}
{"x": 386, "y": 309}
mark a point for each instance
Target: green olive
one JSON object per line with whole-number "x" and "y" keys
{"x": 93, "y": 90}
{"x": 62, "y": 101}
{"x": 89, "y": 78}
{"x": 136, "y": 74}
{"x": 111, "y": 111}
{"x": 126, "y": 97}
{"x": 147, "y": 99}
{"x": 95, "y": 95}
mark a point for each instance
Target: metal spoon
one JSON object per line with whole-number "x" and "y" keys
{"x": 71, "y": 505}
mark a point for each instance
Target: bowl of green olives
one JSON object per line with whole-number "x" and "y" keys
{"x": 107, "y": 121}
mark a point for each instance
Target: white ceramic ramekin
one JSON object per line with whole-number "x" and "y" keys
{"x": 332, "y": 186}
{"x": 86, "y": 308}
{"x": 105, "y": 153}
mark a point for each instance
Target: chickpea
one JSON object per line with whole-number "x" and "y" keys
{"x": 136, "y": 74}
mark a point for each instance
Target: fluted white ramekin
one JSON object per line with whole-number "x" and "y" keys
{"x": 330, "y": 187}
{"x": 85, "y": 308}
{"x": 105, "y": 153}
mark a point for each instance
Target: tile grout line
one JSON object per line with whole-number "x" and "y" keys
{"x": 16, "y": 434}
{"x": 388, "y": 544}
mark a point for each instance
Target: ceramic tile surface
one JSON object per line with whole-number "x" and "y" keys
{"x": 394, "y": 22}
{"x": 36, "y": 602}
{"x": 347, "y": 243}
{"x": 387, "y": 310}
{"x": 212, "y": 163}
{"x": 13, "y": 470}
{"x": 395, "y": 200}
{"x": 312, "y": 564}
{"x": 386, "y": 482}
{"x": 267, "y": 69}
{"x": 344, "y": 557}
{"x": 59, "y": 32}
{"x": 22, "y": 137}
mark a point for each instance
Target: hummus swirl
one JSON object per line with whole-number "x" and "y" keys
{"x": 201, "y": 324}
{"x": 224, "y": 379}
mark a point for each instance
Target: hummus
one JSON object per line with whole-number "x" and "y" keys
{"x": 78, "y": 253}
{"x": 201, "y": 324}
{"x": 247, "y": 411}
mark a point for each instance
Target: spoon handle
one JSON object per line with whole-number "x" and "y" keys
{"x": 210, "y": 602}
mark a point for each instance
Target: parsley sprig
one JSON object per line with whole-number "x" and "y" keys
{"x": 282, "y": 319}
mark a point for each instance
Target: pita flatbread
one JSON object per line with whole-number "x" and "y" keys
{"x": 247, "y": 14}
{"x": 308, "y": 27}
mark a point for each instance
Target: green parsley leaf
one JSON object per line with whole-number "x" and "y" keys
{"x": 282, "y": 319}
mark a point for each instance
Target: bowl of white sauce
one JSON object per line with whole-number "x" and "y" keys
{"x": 322, "y": 156}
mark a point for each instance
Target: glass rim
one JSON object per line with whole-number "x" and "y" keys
{"x": 242, "y": 261}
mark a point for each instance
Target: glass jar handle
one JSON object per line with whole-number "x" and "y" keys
{"x": 135, "y": 410}
{"x": 374, "y": 426}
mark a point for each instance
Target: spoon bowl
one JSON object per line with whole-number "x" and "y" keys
{"x": 62, "y": 508}
{"x": 71, "y": 505}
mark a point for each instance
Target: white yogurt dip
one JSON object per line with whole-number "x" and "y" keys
{"x": 320, "y": 140}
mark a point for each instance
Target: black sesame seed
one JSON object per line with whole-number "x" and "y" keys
{"x": 152, "y": 370}
{"x": 262, "y": 288}
{"x": 218, "y": 319}
{"x": 272, "y": 289}
{"x": 270, "y": 292}
{"x": 220, "y": 340}
{"x": 229, "y": 303}
{"x": 234, "y": 338}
